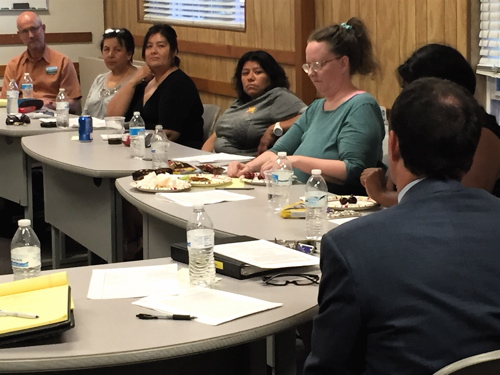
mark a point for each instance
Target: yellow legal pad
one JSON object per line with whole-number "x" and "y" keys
{"x": 47, "y": 296}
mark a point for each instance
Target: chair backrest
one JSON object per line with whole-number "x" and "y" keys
{"x": 481, "y": 364}
{"x": 210, "y": 114}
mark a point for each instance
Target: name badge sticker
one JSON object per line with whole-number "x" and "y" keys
{"x": 51, "y": 70}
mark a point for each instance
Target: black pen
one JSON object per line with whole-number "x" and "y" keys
{"x": 235, "y": 188}
{"x": 166, "y": 316}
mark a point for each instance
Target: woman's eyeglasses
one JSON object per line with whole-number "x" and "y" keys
{"x": 282, "y": 279}
{"x": 315, "y": 66}
{"x": 104, "y": 93}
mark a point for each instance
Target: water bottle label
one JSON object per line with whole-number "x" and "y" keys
{"x": 316, "y": 200}
{"x": 25, "y": 257}
{"x": 282, "y": 178}
{"x": 137, "y": 130}
{"x": 200, "y": 238}
{"x": 26, "y": 86}
{"x": 62, "y": 106}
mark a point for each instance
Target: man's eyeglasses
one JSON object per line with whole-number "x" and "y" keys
{"x": 282, "y": 279}
{"x": 107, "y": 92}
{"x": 32, "y": 30}
{"x": 315, "y": 66}
{"x": 113, "y": 31}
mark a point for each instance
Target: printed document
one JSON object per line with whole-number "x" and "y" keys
{"x": 132, "y": 282}
{"x": 210, "y": 306}
{"x": 266, "y": 254}
{"x": 205, "y": 197}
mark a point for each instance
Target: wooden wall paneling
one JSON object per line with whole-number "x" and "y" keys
{"x": 256, "y": 33}
{"x": 407, "y": 28}
{"x": 421, "y": 23}
{"x": 386, "y": 41}
{"x": 304, "y": 19}
{"x": 450, "y": 20}
{"x": 283, "y": 25}
{"x": 464, "y": 28}
{"x": 435, "y": 24}
{"x": 367, "y": 11}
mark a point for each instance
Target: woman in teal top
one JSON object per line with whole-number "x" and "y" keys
{"x": 341, "y": 134}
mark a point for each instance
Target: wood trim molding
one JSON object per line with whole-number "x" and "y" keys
{"x": 214, "y": 87}
{"x": 66, "y": 38}
{"x": 304, "y": 25}
{"x": 222, "y": 50}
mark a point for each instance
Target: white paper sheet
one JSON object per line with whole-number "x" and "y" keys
{"x": 342, "y": 220}
{"x": 212, "y": 158}
{"x": 133, "y": 282}
{"x": 97, "y": 123}
{"x": 210, "y": 306}
{"x": 266, "y": 254}
{"x": 205, "y": 197}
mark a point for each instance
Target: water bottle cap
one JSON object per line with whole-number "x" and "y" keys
{"x": 137, "y": 113}
{"x": 159, "y": 127}
{"x": 198, "y": 206}
{"x": 282, "y": 154}
{"x": 316, "y": 171}
{"x": 24, "y": 222}
{"x": 62, "y": 89}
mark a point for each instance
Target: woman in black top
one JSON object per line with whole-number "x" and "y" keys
{"x": 162, "y": 92}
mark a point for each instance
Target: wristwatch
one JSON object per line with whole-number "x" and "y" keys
{"x": 278, "y": 130}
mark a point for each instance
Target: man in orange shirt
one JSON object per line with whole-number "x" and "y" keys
{"x": 50, "y": 70}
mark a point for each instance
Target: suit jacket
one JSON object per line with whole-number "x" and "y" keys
{"x": 411, "y": 288}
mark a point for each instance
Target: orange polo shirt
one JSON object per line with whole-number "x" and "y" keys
{"x": 49, "y": 73}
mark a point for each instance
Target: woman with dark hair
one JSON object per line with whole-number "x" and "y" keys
{"x": 342, "y": 133}
{"x": 247, "y": 127}
{"x": 117, "y": 48}
{"x": 442, "y": 61}
{"x": 162, "y": 92}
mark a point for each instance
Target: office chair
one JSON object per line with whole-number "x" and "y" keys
{"x": 210, "y": 114}
{"x": 480, "y": 364}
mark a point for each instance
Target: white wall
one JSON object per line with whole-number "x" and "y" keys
{"x": 62, "y": 16}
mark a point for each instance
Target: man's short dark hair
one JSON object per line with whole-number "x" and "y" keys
{"x": 437, "y": 125}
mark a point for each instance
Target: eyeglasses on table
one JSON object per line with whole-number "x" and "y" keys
{"x": 282, "y": 279}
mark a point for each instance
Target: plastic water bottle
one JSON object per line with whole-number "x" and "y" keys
{"x": 137, "y": 136}
{"x": 25, "y": 251}
{"x": 316, "y": 204}
{"x": 281, "y": 181}
{"x": 200, "y": 244}
{"x": 12, "y": 97}
{"x": 159, "y": 148}
{"x": 27, "y": 86}
{"x": 62, "y": 109}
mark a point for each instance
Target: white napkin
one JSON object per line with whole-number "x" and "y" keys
{"x": 97, "y": 123}
{"x": 205, "y": 197}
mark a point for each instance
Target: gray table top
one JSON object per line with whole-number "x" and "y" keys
{"x": 249, "y": 217}
{"x": 33, "y": 128}
{"x": 108, "y": 333}
{"x": 93, "y": 159}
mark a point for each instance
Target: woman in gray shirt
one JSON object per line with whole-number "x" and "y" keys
{"x": 247, "y": 127}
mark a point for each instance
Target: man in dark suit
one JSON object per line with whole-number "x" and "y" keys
{"x": 414, "y": 287}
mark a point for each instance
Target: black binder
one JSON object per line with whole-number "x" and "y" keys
{"x": 223, "y": 265}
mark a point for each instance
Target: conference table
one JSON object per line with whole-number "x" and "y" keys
{"x": 79, "y": 189}
{"x": 164, "y": 222}
{"x": 108, "y": 338}
{"x": 15, "y": 165}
